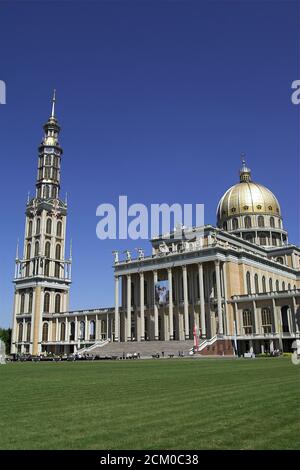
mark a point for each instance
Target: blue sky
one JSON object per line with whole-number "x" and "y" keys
{"x": 156, "y": 101}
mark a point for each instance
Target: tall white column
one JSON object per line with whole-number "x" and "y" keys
{"x": 86, "y": 328}
{"x": 202, "y": 301}
{"x": 156, "y": 335}
{"x": 256, "y": 318}
{"x": 128, "y": 307}
{"x": 117, "y": 317}
{"x": 295, "y": 322}
{"x": 171, "y": 318}
{"x": 142, "y": 307}
{"x": 275, "y": 318}
{"x": 185, "y": 303}
{"x": 219, "y": 297}
{"x": 57, "y": 336}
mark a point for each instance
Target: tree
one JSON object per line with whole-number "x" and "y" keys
{"x": 5, "y": 335}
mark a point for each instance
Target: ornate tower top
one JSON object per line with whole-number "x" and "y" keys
{"x": 245, "y": 172}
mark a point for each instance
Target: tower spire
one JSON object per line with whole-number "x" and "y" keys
{"x": 245, "y": 172}
{"x": 53, "y": 103}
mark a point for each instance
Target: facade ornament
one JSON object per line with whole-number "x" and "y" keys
{"x": 128, "y": 255}
{"x": 141, "y": 253}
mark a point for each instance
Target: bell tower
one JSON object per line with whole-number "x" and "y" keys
{"x": 42, "y": 274}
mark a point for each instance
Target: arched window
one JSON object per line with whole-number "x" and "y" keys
{"x": 247, "y": 221}
{"x": 264, "y": 287}
{"x": 28, "y": 331}
{"x": 235, "y": 224}
{"x": 277, "y": 286}
{"x": 57, "y": 252}
{"x": 36, "y": 248}
{"x": 82, "y": 330}
{"x": 22, "y": 305}
{"x": 270, "y": 285}
{"x": 279, "y": 260}
{"x": 47, "y": 250}
{"x": 59, "y": 229}
{"x": 295, "y": 287}
{"x": 28, "y": 251}
{"x": 272, "y": 222}
{"x": 256, "y": 283}
{"x": 20, "y": 335}
{"x": 47, "y": 302}
{"x": 49, "y": 226}
{"x": 283, "y": 286}
{"x": 248, "y": 281}
{"x": 92, "y": 329}
{"x": 57, "y": 303}
{"x": 30, "y": 302}
{"x": 261, "y": 222}
{"x": 62, "y": 331}
{"x": 47, "y": 268}
{"x": 72, "y": 331}
{"x": 57, "y": 270}
{"x": 29, "y": 228}
{"x": 289, "y": 286}
{"x": 266, "y": 320}
{"x": 45, "y": 332}
{"x": 38, "y": 226}
{"x": 247, "y": 321}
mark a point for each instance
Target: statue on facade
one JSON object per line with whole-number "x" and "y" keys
{"x": 116, "y": 256}
{"x": 128, "y": 255}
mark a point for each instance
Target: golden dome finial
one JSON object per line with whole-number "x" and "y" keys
{"x": 53, "y": 103}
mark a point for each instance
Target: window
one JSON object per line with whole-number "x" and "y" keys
{"x": 256, "y": 283}
{"x": 266, "y": 320}
{"x": 20, "y": 335}
{"x": 277, "y": 286}
{"x": 59, "y": 229}
{"x": 28, "y": 251}
{"x": 82, "y": 330}
{"x": 57, "y": 303}
{"x": 279, "y": 260}
{"x": 262, "y": 240}
{"x": 247, "y": 222}
{"x": 47, "y": 302}
{"x": 247, "y": 322}
{"x": 47, "y": 249}
{"x": 47, "y": 268}
{"x": 272, "y": 222}
{"x": 28, "y": 332}
{"x": 261, "y": 222}
{"x": 248, "y": 281}
{"x": 289, "y": 286}
{"x": 49, "y": 226}
{"x": 92, "y": 330}
{"x": 72, "y": 335}
{"x": 38, "y": 226}
{"x": 235, "y": 224}
{"x": 62, "y": 331}
{"x": 30, "y": 302}
{"x": 283, "y": 286}
{"x": 36, "y": 248}
{"x": 22, "y": 306}
{"x": 45, "y": 332}
{"x": 29, "y": 229}
{"x": 57, "y": 252}
{"x": 264, "y": 287}
{"x": 270, "y": 285}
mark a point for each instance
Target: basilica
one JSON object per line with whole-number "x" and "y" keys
{"x": 234, "y": 286}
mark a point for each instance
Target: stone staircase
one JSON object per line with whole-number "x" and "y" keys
{"x": 145, "y": 348}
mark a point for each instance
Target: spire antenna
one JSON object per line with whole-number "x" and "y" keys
{"x": 53, "y": 103}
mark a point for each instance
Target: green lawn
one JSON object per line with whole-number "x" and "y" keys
{"x": 151, "y": 404}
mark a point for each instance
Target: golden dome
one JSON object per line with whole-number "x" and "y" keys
{"x": 247, "y": 197}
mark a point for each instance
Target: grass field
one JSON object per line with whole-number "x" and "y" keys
{"x": 163, "y": 404}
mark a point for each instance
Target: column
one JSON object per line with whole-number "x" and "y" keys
{"x": 219, "y": 298}
{"x": 227, "y": 326}
{"x": 156, "y": 336}
{"x": 202, "y": 301}
{"x": 295, "y": 319}
{"x": 185, "y": 303}
{"x": 237, "y": 319}
{"x": 142, "y": 307}
{"x": 117, "y": 317}
{"x": 256, "y": 320}
{"x": 276, "y": 326}
{"x": 128, "y": 307}
{"x": 56, "y": 331}
{"x": 171, "y": 319}
{"x": 86, "y": 328}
